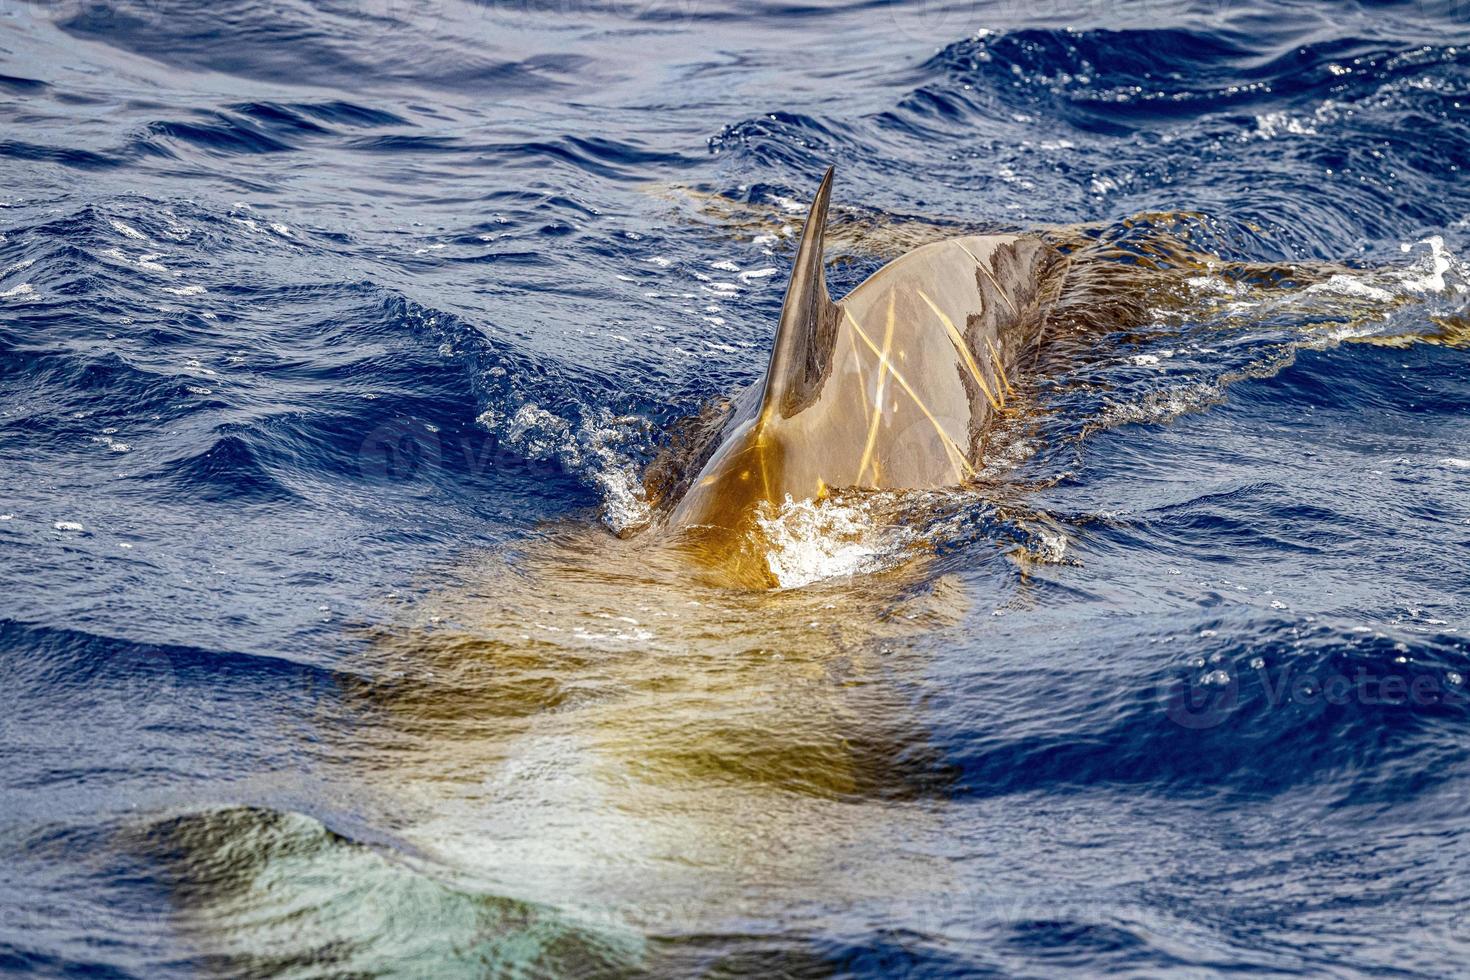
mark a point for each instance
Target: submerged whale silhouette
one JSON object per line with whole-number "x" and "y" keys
{"x": 892, "y": 387}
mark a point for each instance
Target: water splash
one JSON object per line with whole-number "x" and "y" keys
{"x": 599, "y": 448}
{"x": 811, "y": 541}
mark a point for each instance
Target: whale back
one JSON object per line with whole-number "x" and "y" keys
{"x": 892, "y": 387}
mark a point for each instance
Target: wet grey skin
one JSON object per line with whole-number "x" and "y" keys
{"x": 892, "y": 387}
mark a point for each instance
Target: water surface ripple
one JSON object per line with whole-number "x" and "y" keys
{"x": 335, "y": 334}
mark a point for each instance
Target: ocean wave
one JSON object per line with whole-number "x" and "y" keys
{"x": 326, "y": 328}
{"x": 1314, "y": 694}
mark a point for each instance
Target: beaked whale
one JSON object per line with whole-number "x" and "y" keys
{"x": 892, "y": 387}
{"x": 899, "y": 385}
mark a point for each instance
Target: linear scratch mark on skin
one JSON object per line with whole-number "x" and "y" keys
{"x": 991, "y": 276}
{"x": 857, "y": 363}
{"x": 955, "y": 455}
{"x": 999, "y": 367}
{"x": 963, "y": 350}
{"x": 877, "y": 416}
{"x": 760, "y": 453}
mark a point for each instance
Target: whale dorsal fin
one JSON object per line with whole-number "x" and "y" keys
{"x": 801, "y": 357}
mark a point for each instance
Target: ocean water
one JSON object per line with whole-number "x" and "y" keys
{"x": 334, "y": 337}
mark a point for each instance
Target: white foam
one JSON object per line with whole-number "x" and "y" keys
{"x": 1344, "y": 285}
{"x": 815, "y": 540}
{"x": 1052, "y": 550}
{"x": 1212, "y": 284}
{"x": 1432, "y": 268}
{"x": 760, "y": 273}
{"x": 1161, "y": 406}
{"x": 146, "y": 262}
{"x": 588, "y": 449}
{"x": 127, "y": 230}
{"x": 177, "y": 230}
{"x": 613, "y": 636}
{"x": 1273, "y": 124}
{"x": 24, "y": 289}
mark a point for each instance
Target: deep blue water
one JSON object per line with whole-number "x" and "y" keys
{"x": 320, "y": 319}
